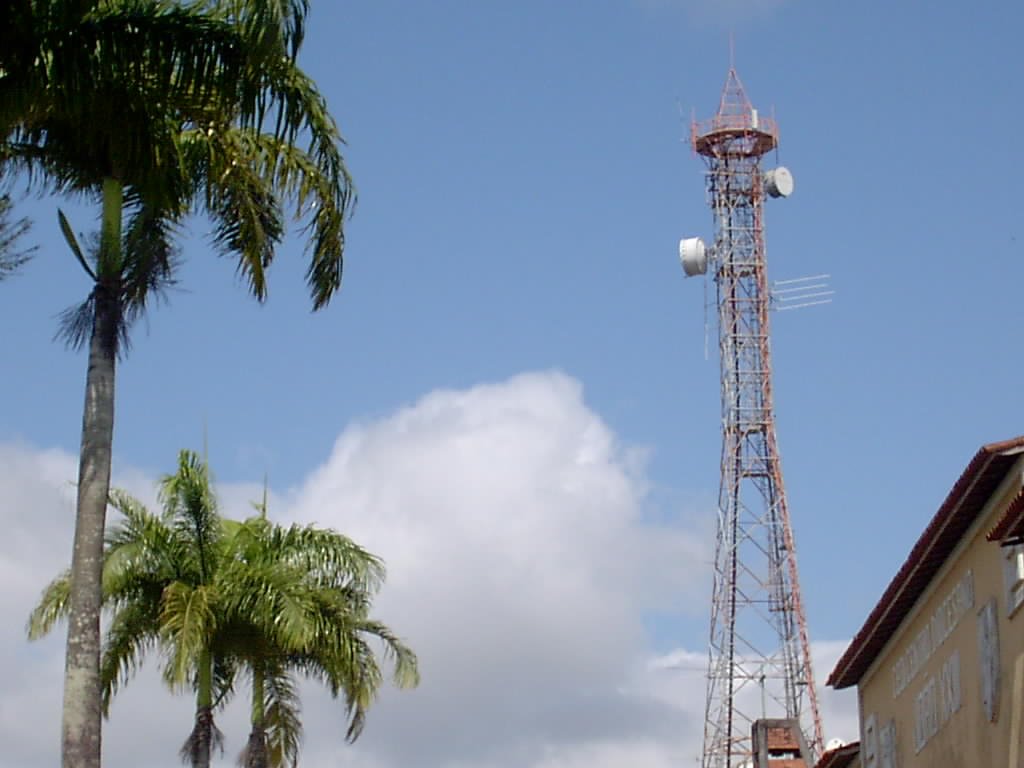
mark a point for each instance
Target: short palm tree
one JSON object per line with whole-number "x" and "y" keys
{"x": 156, "y": 109}
{"x": 218, "y": 596}
{"x": 160, "y": 584}
{"x": 328, "y": 641}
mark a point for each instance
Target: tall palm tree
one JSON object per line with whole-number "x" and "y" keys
{"x": 218, "y": 596}
{"x": 155, "y": 109}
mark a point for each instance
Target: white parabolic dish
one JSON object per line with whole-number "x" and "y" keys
{"x": 779, "y": 182}
{"x": 693, "y": 256}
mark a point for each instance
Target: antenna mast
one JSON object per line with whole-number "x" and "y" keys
{"x": 759, "y": 662}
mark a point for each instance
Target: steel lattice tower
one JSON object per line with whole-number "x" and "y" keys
{"x": 759, "y": 659}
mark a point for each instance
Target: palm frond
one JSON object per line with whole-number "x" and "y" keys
{"x": 345, "y": 662}
{"x": 12, "y": 231}
{"x": 275, "y": 738}
{"x": 243, "y": 204}
{"x": 75, "y": 324}
{"x": 137, "y": 523}
{"x": 324, "y": 557}
{"x": 188, "y": 498}
{"x": 35, "y": 165}
{"x": 406, "y": 673}
{"x": 283, "y": 724}
{"x": 329, "y": 558}
{"x": 133, "y": 631}
{"x": 143, "y": 273}
{"x": 150, "y": 259}
{"x": 359, "y": 679}
{"x": 76, "y": 248}
{"x": 272, "y": 597}
{"x": 274, "y": 26}
{"x": 99, "y": 319}
{"x": 54, "y": 605}
{"x": 126, "y": 69}
{"x": 187, "y": 621}
{"x": 317, "y": 180}
{"x": 225, "y": 670}
{"x": 140, "y": 548}
{"x": 304, "y": 110}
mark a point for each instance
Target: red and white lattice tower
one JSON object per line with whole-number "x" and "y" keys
{"x": 759, "y": 660}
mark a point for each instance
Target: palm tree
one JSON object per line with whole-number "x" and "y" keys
{"x": 12, "y": 256}
{"x": 328, "y": 641}
{"x": 160, "y": 584}
{"x": 156, "y": 109}
{"x": 218, "y": 596}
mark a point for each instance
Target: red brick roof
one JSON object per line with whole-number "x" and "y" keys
{"x": 961, "y": 508}
{"x": 840, "y": 757}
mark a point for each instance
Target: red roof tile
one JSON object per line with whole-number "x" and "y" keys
{"x": 1010, "y": 528}
{"x": 965, "y": 501}
{"x": 840, "y": 757}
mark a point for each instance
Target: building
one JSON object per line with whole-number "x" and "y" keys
{"x": 939, "y": 662}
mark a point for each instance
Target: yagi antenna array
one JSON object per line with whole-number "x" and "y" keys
{"x": 801, "y": 292}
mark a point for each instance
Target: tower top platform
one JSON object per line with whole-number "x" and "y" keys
{"x": 737, "y": 128}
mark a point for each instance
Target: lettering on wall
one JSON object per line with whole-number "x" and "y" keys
{"x": 926, "y": 714}
{"x": 1013, "y": 573}
{"x": 937, "y": 701}
{"x": 940, "y": 626}
{"x": 949, "y": 687}
{"x": 988, "y": 659}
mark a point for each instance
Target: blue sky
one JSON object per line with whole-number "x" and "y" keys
{"x": 523, "y": 183}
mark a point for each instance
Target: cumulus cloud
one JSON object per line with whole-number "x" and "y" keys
{"x": 684, "y": 690}
{"x": 838, "y": 708}
{"x": 522, "y": 568}
{"x": 38, "y": 506}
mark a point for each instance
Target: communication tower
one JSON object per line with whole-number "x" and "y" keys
{"x": 759, "y": 663}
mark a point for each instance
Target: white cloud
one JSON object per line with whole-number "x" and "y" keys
{"x": 838, "y": 708}
{"x": 38, "y": 508}
{"x": 521, "y": 568}
{"x": 611, "y": 754}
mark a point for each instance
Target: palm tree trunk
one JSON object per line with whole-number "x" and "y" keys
{"x": 198, "y": 747}
{"x": 82, "y": 719}
{"x": 204, "y": 711}
{"x": 256, "y": 755}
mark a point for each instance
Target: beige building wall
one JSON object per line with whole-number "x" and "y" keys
{"x": 946, "y": 691}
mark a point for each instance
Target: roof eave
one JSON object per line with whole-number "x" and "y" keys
{"x": 853, "y": 664}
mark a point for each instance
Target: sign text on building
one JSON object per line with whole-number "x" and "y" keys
{"x": 953, "y": 608}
